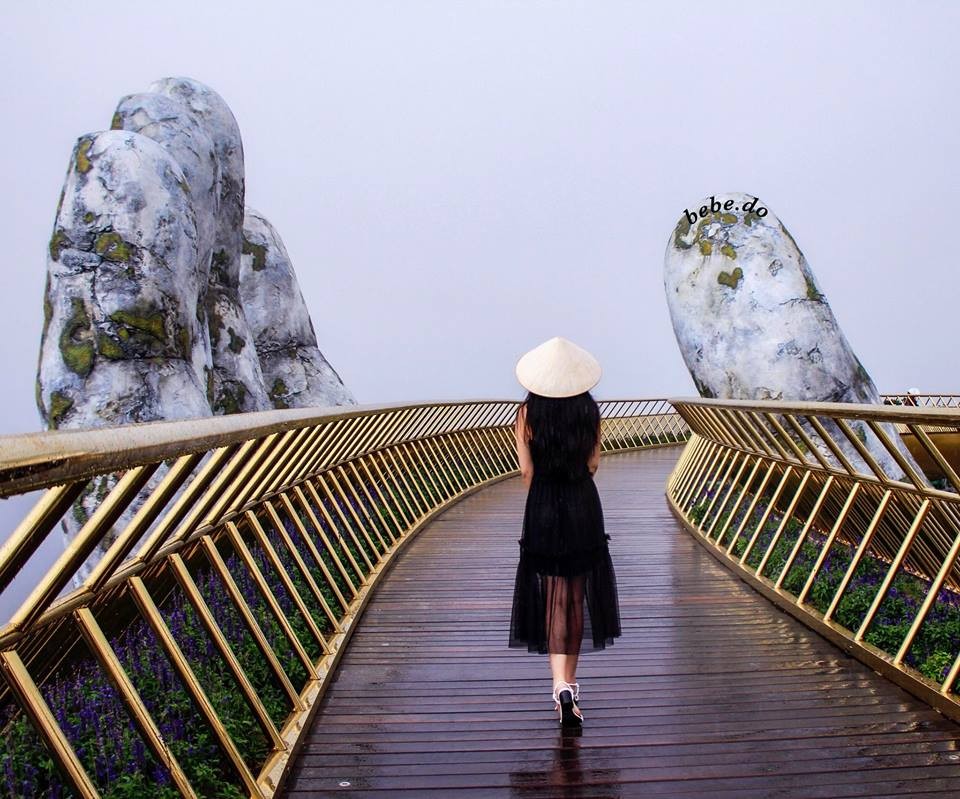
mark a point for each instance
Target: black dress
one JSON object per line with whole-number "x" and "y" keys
{"x": 565, "y": 588}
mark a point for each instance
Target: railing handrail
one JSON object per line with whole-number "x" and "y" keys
{"x": 35, "y": 460}
{"x": 862, "y": 410}
{"x": 29, "y": 461}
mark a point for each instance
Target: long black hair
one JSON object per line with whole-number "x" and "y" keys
{"x": 564, "y": 430}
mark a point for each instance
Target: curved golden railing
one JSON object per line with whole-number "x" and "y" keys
{"x": 789, "y": 496}
{"x": 242, "y": 550}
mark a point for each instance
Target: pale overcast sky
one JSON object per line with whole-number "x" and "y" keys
{"x": 457, "y": 182}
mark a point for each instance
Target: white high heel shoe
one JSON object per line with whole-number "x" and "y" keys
{"x": 565, "y": 696}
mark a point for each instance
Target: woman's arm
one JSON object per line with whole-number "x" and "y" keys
{"x": 523, "y": 449}
{"x": 593, "y": 463}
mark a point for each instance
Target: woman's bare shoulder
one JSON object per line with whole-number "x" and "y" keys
{"x": 522, "y": 420}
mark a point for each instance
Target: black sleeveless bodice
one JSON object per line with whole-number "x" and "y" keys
{"x": 563, "y": 530}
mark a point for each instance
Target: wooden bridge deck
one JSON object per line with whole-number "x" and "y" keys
{"x": 711, "y": 691}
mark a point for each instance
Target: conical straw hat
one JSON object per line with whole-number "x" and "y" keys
{"x": 558, "y": 368}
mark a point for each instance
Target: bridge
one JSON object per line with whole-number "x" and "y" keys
{"x": 316, "y": 602}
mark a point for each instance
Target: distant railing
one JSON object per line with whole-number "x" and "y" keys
{"x": 223, "y": 569}
{"x": 922, "y": 400}
{"x": 793, "y": 499}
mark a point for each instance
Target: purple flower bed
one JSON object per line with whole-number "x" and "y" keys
{"x": 95, "y": 721}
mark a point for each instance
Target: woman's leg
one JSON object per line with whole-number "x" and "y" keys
{"x": 564, "y": 625}
{"x": 555, "y": 626}
{"x": 558, "y": 668}
{"x": 575, "y": 625}
{"x": 564, "y": 631}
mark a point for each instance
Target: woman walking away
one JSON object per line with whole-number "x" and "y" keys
{"x": 565, "y": 587}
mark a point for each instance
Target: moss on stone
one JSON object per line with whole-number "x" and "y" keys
{"x": 278, "y": 394}
{"x": 78, "y": 357}
{"x": 728, "y": 218}
{"x": 731, "y": 279}
{"x": 47, "y": 305}
{"x": 183, "y": 340}
{"x": 699, "y": 237}
{"x": 89, "y": 216}
{"x": 76, "y": 340}
{"x": 149, "y": 322}
{"x": 812, "y": 293}
{"x": 208, "y": 374}
{"x": 858, "y": 430}
{"x": 706, "y": 247}
{"x": 111, "y": 246}
{"x": 58, "y": 241}
{"x": 231, "y": 399}
{"x": 729, "y": 250}
{"x": 82, "y": 158}
{"x": 259, "y": 253}
{"x": 108, "y": 348}
{"x": 218, "y": 266}
{"x": 215, "y": 324}
{"x": 702, "y": 388}
{"x": 60, "y": 403}
{"x": 750, "y": 217}
{"x": 117, "y": 122}
{"x": 792, "y": 240}
{"x": 237, "y": 342}
{"x": 680, "y": 231}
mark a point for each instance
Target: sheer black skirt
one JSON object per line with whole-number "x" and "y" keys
{"x": 565, "y": 590}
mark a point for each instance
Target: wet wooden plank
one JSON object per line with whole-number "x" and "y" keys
{"x": 711, "y": 691}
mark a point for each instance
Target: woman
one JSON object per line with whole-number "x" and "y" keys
{"x": 565, "y": 582}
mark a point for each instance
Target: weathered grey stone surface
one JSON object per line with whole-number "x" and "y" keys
{"x": 751, "y": 321}
{"x": 143, "y": 318}
{"x": 121, "y": 341}
{"x": 237, "y": 380}
{"x": 168, "y": 122}
{"x": 296, "y": 373}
